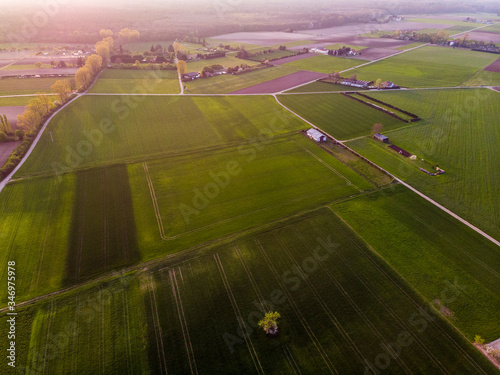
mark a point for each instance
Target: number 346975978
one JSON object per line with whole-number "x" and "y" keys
{"x": 11, "y": 284}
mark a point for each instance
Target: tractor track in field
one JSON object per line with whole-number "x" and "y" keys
{"x": 332, "y": 317}
{"x": 239, "y": 317}
{"x": 386, "y": 306}
{"x": 182, "y": 320}
{"x": 157, "y": 326}
{"x": 351, "y": 301}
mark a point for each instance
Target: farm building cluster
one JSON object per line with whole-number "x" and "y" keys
{"x": 344, "y": 51}
{"x": 316, "y": 135}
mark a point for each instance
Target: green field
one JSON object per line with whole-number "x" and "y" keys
{"x": 319, "y": 86}
{"x": 182, "y": 201}
{"x": 325, "y": 64}
{"x": 226, "y": 62}
{"x": 430, "y": 250}
{"x": 340, "y": 45}
{"x": 340, "y": 306}
{"x": 120, "y": 81}
{"x": 28, "y": 66}
{"x": 233, "y": 44}
{"x": 16, "y": 86}
{"x": 18, "y": 101}
{"x": 339, "y": 116}
{"x": 273, "y": 55}
{"x": 140, "y": 128}
{"x": 411, "y": 45}
{"x": 102, "y": 235}
{"x": 438, "y": 21}
{"x": 483, "y": 78}
{"x": 228, "y": 83}
{"x": 34, "y": 232}
{"x": 493, "y": 28}
{"x": 465, "y": 144}
{"x": 428, "y": 67}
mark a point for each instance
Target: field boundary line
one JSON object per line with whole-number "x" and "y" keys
{"x": 157, "y": 325}
{"x": 182, "y": 321}
{"x": 301, "y": 317}
{"x": 239, "y": 317}
{"x": 370, "y": 253}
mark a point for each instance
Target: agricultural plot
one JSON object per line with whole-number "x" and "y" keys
{"x": 319, "y": 86}
{"x": 340, "y": 45}
{"x": 340, "y": 306}
{"x": 228, "y": 83}
{"x": 427, "y": 67}
{"x": 34, "y": 225}
{"x": 141, "y": 127}
{"x": 325, "y": 64}
{"x": 409, "y": 46}
{"x": 103, "y": 233}
{"x": 18, "y": 101}
{"x": 439, "y": 21}
{"x": 277, "y": 54}
{"x": 106, "y": 322}
{"x": 226, "y": 62}
{"x": 120, "y": 81}
{"x": 493, "y": 28}
{"x": 483, "y": 78}
{"x": 433, "y": 251}
{"x": 195, "y": 198}
{"x": 465, "y": 144}
{"x": 339, "y": 116}
{"x": 16, "y": 86}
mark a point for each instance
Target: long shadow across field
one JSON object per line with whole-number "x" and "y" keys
{"x": 103, "y": 232}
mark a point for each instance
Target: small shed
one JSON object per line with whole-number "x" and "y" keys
{"x": 316, "y": 135}
{"x": 381, "y": 138}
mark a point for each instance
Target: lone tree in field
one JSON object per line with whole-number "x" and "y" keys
{"x": 269, "y": 323}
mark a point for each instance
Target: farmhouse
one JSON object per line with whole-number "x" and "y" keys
{"x": 323, "y": 51}
{"x": 316, "y": 135}
{"x": 190, "y": 76}
{"x": 381, "y": 138}
{"x": 356, "y": 83}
